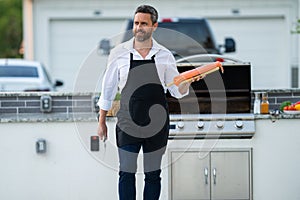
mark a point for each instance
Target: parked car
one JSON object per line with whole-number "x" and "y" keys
{"x": 182, "y": 36}
{"x": 23, "y": 75}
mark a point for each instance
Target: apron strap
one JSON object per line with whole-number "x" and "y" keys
{"x": 131, "y": 57}
{"x": 152, "y": 58}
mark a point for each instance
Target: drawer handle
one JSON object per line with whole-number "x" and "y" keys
{"x": 206, "y": 175}
{"x": 215, "y": 176}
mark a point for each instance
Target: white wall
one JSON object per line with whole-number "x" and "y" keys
{"x": 69, "y": 171}
{"x": 276, "y": 159}
{"x": 66, "y": 171}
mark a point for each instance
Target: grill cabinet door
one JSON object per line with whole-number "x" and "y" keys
{"x": 190, "y": 175}
{"x": 230, "y": 175}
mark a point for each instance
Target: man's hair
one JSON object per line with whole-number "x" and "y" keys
{"x": 148, "y": 9}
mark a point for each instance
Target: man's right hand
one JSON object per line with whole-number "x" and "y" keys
{"x": 102, "y": 131}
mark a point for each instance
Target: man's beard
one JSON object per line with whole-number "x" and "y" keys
{"x": 142, "y": 37}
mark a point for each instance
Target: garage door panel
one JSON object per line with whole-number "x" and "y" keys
{"x": 261, "y": 41}
{"x": 71, "y": 41}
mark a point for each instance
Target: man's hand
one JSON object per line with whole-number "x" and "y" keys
{"x": 102, "y": 131}
{"x": 184, "y": 86}
{"x": 102, "y": 128}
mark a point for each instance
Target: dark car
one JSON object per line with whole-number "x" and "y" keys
{"x": 182, "y": 36}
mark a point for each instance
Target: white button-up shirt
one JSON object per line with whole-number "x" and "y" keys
{"x": 118, "y": 67}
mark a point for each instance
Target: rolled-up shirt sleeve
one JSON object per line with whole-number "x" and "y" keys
{"x": 109, "y": 84}
{"x": 171, "y": 72}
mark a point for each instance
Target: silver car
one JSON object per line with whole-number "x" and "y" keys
{"x": 23, "y": 75}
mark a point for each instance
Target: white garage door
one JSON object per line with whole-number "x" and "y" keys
{"x": 262, "y": 41}
{"x": 71, "y": 41}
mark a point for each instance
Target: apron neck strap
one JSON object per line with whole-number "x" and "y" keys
{"x": 152, "y": 58}
{"x": 131, "y": 56}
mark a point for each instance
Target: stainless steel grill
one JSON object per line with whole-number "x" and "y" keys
{"x": 219, "y": 106}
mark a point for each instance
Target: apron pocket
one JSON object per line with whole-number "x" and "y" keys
{"x": 139, "y": 111}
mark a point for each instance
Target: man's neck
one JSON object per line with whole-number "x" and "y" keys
{"x": 143, "y": 47}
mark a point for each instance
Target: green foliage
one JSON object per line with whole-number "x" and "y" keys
{"x": 10, "y": 28}
{"x": 297, "y": 27}
{"x": 118, "y": 96}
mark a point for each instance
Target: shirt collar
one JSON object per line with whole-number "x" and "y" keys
{"x": 155, "y": 46}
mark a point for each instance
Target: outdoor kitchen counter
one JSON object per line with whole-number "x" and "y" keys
{"x": 43, "y": 118}
{"x": 29, "y": 118}
{"x": 68, "y": 166}
{"x": 64, "y": 107}
{"x": 81, "y": 106}
{"x": 277, "y": 117}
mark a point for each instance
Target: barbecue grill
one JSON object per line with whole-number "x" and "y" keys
{"x": 218, "y": 106}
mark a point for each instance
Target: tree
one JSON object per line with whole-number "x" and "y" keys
{"x": 11, "y": 33}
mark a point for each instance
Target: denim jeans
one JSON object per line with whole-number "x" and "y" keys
{"x": 128, "y": 164}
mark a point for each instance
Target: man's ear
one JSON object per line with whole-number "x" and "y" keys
{"x": 155, "y": 25}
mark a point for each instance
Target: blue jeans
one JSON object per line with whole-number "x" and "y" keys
{"x": 128, "y": 164}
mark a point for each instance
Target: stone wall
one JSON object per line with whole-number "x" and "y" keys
{"x": 276, "y": 97}
{"x": 26, "y": 106}
{"x": 82, "y": 106}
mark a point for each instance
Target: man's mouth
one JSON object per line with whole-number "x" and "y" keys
{"x": 143, "y": 32}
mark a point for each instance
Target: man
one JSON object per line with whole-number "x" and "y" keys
{"x": 140, "y": 68}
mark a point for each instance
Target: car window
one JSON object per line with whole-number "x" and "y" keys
{"x": 198, "y": 33}
{"x": 183, "y": 38}
{"x": 19, "y": 71}
{"x": 47, "y": 76}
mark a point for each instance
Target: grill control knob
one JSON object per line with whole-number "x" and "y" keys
{"x": 180, "y": 124}
{"x": 200, "y": 124}
{"x": 220, "y": 124}
{"x": 239, "y": 124}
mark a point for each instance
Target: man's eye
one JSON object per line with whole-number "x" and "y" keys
{"x": 141, "y": 24}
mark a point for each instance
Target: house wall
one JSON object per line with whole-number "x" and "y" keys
{"x": 66, "y": 35}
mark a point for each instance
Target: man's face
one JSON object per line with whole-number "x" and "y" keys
{"x": 143, "y": 27}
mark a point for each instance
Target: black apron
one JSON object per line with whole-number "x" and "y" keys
{"x": 143, "y": 116}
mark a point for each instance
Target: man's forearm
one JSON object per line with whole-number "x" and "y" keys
{"x": 102, "y": 116}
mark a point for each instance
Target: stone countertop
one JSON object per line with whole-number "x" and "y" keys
{"x": 41, "y": 118}
{"x": 23, "y": 94}
{"x": 280, "y": 116}
{"x": 92, "y": 117}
